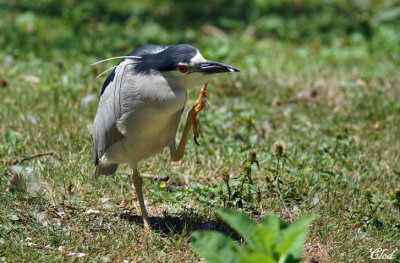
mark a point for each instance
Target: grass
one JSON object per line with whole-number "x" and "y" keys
{"x": 334, "y": 105}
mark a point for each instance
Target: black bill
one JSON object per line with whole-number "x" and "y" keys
{"x": 211, "y": 67}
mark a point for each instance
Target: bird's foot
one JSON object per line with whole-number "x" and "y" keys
{"x": 197, "y": 107}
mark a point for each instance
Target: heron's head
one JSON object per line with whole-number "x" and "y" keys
{"x": 182, "y": 65}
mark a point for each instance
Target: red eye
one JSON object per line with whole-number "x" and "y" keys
{"x": 181, "y": 68}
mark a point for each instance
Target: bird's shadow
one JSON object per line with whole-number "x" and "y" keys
{"x": 183, "y": 223}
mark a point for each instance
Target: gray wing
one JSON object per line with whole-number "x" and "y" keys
{"x": 109, "y": 112}
{"x": 105, "y": 131}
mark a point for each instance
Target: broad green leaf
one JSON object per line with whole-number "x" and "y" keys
{"x": 256, "y": 258}
{"x": 293, "y": 237}
{"x": 272, "y": 223}
{"x": 241, "y": 223}
{"x": 215, "y": 247}
{"x": 264, "y": 240}
{"x": 294, "y": 249}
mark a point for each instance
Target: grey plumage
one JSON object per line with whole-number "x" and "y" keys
{"x": 106, "y": 132}
{"x": 141, "y": 104}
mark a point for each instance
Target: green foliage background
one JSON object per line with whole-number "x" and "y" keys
{"x": 48, "y": 27}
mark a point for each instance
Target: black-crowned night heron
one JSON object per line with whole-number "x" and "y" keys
{"x": 141, "y": 104}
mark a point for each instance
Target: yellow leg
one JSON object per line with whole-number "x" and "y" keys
{"x": 178, "y": 152}
{"x": 198, "y": 106}
{"x": 137, "y": 182}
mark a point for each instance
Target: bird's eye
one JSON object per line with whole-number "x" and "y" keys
{"x": 182, "y": 68}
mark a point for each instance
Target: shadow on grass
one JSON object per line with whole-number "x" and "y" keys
{"x": 183, "y": 223}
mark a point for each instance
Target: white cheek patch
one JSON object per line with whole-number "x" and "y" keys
{"x": 197, "y": 59}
